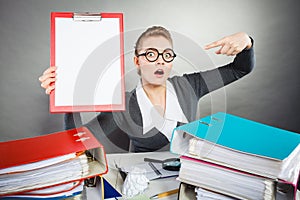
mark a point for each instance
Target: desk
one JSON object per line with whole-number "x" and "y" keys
{"x": 155, "y": 186}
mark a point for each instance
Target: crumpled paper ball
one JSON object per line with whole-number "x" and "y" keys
{"x": 135, "y": 183}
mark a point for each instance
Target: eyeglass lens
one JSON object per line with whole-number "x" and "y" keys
{"x": 152, "y": 55}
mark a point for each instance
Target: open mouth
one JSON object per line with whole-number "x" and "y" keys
{"x": 159, "y": 72}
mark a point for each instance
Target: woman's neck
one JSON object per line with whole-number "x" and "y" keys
{"x": 157, "y": 96}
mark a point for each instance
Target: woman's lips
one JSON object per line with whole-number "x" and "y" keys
{"x": 159, "y": 72}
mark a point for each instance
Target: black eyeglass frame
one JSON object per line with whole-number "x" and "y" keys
{"x": 158, "y": 54}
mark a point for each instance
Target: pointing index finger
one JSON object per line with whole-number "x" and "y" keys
{"x": 213, "y": 45}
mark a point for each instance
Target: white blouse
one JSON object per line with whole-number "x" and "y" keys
{"x": 151, "y": 117}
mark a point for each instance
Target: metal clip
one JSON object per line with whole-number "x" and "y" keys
{"x": 205, "y": 123}
{"x": 216, "y": 119}
{"x": 79, "y": 134}
{"x": 82, "y": 139}
{"x": 87, "y": 17}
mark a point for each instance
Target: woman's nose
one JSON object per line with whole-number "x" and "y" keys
{"x": 160, "y": 60}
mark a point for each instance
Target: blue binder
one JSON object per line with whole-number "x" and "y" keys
{"x": 244, "y": 135}
{"x": 241, "y": 144}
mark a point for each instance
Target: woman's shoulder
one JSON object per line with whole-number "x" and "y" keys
{"x": 130, "y": 98}
{"x": 130, "y": 94}
{"x": 177, "y": 79}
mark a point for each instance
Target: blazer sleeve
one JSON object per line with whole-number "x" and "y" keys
{"x": 72, "y": 120}
{"x": 210, "y": 80}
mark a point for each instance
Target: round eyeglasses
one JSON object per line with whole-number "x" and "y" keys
{"x": 152, "y": 55}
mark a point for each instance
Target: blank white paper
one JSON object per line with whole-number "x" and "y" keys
{"x": 88, "y": 60}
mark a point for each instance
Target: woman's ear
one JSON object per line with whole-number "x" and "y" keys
{"x": 136, "y": 61}
{"x": 137, "y": 64}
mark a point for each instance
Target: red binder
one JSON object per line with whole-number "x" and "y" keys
{"x": 88, "y": 50}
{"x": 30, "y": 150}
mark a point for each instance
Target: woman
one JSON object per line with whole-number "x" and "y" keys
{"x": 159, "y": 103}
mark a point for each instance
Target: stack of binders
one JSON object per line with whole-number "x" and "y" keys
{"x": 238, "y": 158}
{"x": 52, "y": 166}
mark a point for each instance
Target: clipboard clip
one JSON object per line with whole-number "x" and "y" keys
{"x": 87, "y": 17}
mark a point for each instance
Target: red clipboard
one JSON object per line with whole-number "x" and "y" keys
{"x": 88, "y": 50}
{"x": 20, "y": 152}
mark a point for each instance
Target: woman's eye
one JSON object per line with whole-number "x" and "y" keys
{"x": 150, "y": 54}
{"x": 167, "y": 55}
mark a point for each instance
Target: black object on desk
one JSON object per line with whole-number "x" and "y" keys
{"x": 171, "y": 164}
{"x": 122, "y": 173}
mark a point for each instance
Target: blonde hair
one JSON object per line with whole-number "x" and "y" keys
{"x": 153, "y": 31}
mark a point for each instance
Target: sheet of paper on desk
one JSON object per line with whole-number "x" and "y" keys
{"x": 151, "y": 174}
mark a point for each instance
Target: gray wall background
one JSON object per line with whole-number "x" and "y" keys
{"x": 270, "y": 94}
